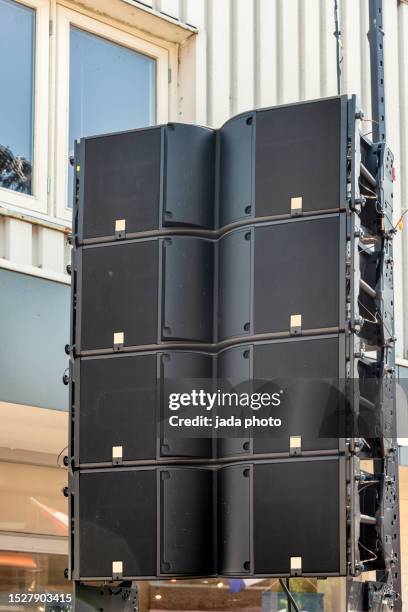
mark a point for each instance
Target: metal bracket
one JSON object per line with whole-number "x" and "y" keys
{"x": 375, "y": 38}
{"x": 114, "y": 598}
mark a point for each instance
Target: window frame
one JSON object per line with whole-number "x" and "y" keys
{"x": 37, "y": 201}
{"x": 160, "y": 51}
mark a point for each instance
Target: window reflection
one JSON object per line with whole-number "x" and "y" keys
{"x": 252, "y": 595}
{"x": 27, "y": 572}
{"x": 17, "y": 35}
{"x": 31, "y": 500}
{"x": 112, "y": 88}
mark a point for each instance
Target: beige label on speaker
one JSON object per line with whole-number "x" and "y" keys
{"x": 120, "y": 225}
{"x": 118, "y": 338}
{"x": 117, "y": 567}
{"x": 296, "y": 320}
{"x": 295, "y": 442}
{"x": 296, "y": 203}
{"x": 117, "y": 452}
{"x": 296, "y": 564}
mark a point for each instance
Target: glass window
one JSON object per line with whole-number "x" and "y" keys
{"x": 17, "y": 35}
{"x": 112, "y": 88}
{"x": 27, "y": 572}
{"x": 31, "y": 500}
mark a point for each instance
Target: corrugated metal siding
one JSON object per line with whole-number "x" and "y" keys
{"x": 252, "y": 53}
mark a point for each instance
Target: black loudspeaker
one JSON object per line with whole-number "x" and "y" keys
{"x": 120, "y": 287}
{"x": 253, "y": 253}
{"x": 274, "y": 272}
{"x": 144, "y": 180}
{"x": 273, "y": 521}
{"x": 117, "y": 403}
{"x": 315, "y": 404}
{"x": 144, "y": 522}
{"x": 287, "y": 160}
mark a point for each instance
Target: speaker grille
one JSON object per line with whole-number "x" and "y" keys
{"x": 119, "y": 294}
{"x": 122, "y": 181}
{"x": 117, "y": 522}
{"x": 117, "y": 408}
{"x": 298, "y": 155}
{"x": 297, "y": 272}
{"x": 291, "y": 520}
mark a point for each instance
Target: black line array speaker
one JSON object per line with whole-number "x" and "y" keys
{"x": 248, "y": 253}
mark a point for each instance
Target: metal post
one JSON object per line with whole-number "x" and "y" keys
{"x": 376, "y": 40}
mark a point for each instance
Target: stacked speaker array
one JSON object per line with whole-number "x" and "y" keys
{"x": 232, "y": 253}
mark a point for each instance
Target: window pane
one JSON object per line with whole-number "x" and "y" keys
{"x": 17, "y": 34}
{"x": 34, "y": 573}
{"x": 112, "y": 88}
{"x": 31, "y": 500}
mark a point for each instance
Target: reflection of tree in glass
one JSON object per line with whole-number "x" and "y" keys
{"x": 15, "y": 171}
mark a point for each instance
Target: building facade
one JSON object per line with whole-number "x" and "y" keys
{"x": 73, "y": 68}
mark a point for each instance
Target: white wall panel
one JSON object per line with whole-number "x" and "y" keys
{"x": 243, "y": 55}
{"x": 219, "y": 94}
{"x": 328, "y": 74}
{"x": 18, "y": 241}
{"x": 193, "y": 65}
{"x": 170, "y": 7}
{"x": 288, "y": 55}
{"x": 309, "y": 49}
{"x": 403, "y": 177}
{"x": 350, "y": 38}
{"x": 266, "y": 54}
{"x": 393, "y": 137}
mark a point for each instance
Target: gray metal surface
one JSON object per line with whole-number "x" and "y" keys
{"x": 34, "y": 315}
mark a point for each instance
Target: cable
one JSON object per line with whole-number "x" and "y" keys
{"x": 374, "y": 320}
{"x": 289, "y": 595}
{"x": 59, "y": 457}
{"x": 400, "y": 219}
{"x": 370, "y": 120}
{"x": 373, "y": 558}
{"x": 339, "y": 55}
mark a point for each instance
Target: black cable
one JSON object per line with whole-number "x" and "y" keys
{"x": 289, "y": 595}
{"x": 59, "y": 456}
{"x": 337, "y": 34}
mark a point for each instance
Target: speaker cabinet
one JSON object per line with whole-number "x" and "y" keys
{"x": 283, "y": 518}
{"x": 144, "y": 180}
{"x": 143, "y": 522}
{"x": 120, "y": 287}
{"x": 284, "y": 161}
{"x": 314, "y": 406}
{"x": 273, "y": 272}
{"x": 118, "y": 412}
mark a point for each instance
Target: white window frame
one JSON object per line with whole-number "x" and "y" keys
{"x": 161, "y": 51}
{"x": 38, "y": 200}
